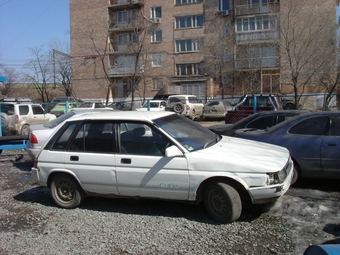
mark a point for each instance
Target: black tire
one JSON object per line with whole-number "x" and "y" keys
{"x": 5, "y": 121}
{"x": 295, "y": 176}
{"x": 222, "y": 202}
{"x": 193, "y": 115}
{"x": 178, "y": 107}
{"x": 25, "y": 130}
{"x": 66, "y": 191}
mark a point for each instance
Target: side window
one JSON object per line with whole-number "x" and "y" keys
{"x": 37, "y": 109}
{"x": 97, "y": 137}
{"x": 23, "y": 109}
{"x": 140, "y": 139}
{"x": 261, "y": 123}
{"x": 312, "y": 126}
{"x": 335, "y": 126}
{"x": 62, "y": 141}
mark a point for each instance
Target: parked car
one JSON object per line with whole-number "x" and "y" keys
{"x": 154, "y": 105}
{"x": 89, "y": 105}
{"x": 159, "y": 155}
{"x": 17, "y": 117}
{"x": 313, "y": 140}
{"x": 38, "y": 134}
{"x": 246, "y": 106}
{"x": 61, "y": 108}
{"x": 123, "y": 106}
{"x": 261, "y": 120}
{"x": 63, "y": 99}
{"x": 216, "y": 109}
{"x": 187, "y": 105}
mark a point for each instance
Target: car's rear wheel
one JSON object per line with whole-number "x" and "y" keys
{"x": 66, "y": 191}
{"x": 25, "y": 130}
{"x": 5, "y": 121}
{"x": 222, "y": 202}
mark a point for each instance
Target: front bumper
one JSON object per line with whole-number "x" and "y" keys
{"x": 261, "y": 195}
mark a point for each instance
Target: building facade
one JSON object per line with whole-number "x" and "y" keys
{"x": 135, "y": 49}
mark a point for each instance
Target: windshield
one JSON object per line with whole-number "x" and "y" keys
{"x": 59, "y": 120}
{"x": 189, "y": 134}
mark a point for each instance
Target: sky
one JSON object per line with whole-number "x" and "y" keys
{"x": 26, "y": 24}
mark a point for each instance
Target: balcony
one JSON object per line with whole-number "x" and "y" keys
{"x": 245, "y": 37}
{"x": 241, "y": 10}
{"x": 118, "y": 5}
{"x": 257, "y": 63}
{"x": 125, "y": 71}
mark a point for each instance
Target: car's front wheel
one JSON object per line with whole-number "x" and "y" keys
{"x": 222, "y": 202}
{"x": 66, "y": 191}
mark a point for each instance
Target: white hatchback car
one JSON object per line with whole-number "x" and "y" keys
{"x": 160, "y": 155}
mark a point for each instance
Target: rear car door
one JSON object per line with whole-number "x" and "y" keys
{"x": 90, "y": 154}
{"x": 142, "y": 167}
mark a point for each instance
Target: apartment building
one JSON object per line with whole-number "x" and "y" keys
{"x": 135, "y": 49}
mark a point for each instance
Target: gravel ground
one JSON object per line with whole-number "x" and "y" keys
{"x": 30, "y": 223}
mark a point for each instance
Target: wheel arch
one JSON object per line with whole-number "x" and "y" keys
{"x": 245, "y": 197}
{"x": 55, "y": 173}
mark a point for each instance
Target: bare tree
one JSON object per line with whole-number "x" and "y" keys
{"x": 39, "y": 72}
{"x": 307, "y": 43}
{"x": 12, "y": 76}
{"x": 218, "y": 62}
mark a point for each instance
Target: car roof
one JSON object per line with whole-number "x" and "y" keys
{"x": 123, "y": 115}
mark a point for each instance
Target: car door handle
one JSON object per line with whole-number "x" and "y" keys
{"x": 74, "y": 158}
{"x": 331, "y": 144}
{"x": 125, "y": 161}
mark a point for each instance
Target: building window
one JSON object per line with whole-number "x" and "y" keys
{"x": 189, "y": 21}
{"x": 157, "y": 83}
{"x": 156, "y": 12}
{"x": 128, "y": 83}
{"x": 124, "y": 39}
{"x": 127, "y": 16}
{"x": 156, "y": 36}
{"x": 157, "y": 60}
{"x": 259, "y": 23}
{"x": 189, "y": 45}
{"x": 223, "y": 5}
{"x": 188, "y": 1}
{"x": 190, "y": 69}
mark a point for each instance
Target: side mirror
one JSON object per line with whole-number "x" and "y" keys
{"x": 172, "y": 152}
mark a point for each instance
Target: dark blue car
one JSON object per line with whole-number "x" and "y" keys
{"x": 313, "y": 140}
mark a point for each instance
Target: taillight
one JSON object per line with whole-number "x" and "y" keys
{"x": 16, "y": 119}
{"x": 33, "y": 139}
{"x": 35, "y": 163}
{"x": 187, "y": 107}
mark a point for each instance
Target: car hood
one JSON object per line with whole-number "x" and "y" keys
{"x": 220, "y": 127}
{"x": 240, "y": 155}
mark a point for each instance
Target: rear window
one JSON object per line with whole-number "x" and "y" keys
{"x": 7, "y": 108}
{"x": 59, "y": 120}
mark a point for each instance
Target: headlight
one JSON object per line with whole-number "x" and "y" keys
{"x": 278, "y": 177}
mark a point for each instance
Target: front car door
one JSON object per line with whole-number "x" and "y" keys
{"x": 142, "y": 167}
{"x": 330, "y": 147}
